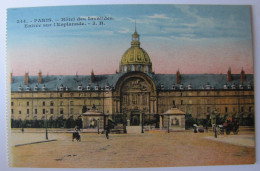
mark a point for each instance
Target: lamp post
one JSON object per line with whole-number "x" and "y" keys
{"x": 215, "y": 126}
{"x": 46, "y": 124}
{"x": 168, "y": 123}
{"x": 142, "y": 123}
{"x": 98, "y": 125}
{"x": 124, "y": 115}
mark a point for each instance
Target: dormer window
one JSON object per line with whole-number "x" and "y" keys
{"x": 67, "y": 89}
{"x": 35, "y": 87}
{"x": 162, "y": 87}
{"x": 107, "y": 87}
{"x": 189, "y": 86}
{"x": 88, "y": 87}
{"x": 208, "y": 86}
{"x": 225, "y": 86}
{"x": 233, "y": 86}
{"x": 61, "y": 87}
{"x": 96, "y": 87}
{"x": 181, "y": 87}
{"x": 241, "y": 86}
{"x": 43, "y": 88}
{"x": 20, "y": 88}
{"x": 173, "y": 87}
{"x": 80, "y": 87}
{"x": 249, "y": 86}
{"x": 28, "y": 88}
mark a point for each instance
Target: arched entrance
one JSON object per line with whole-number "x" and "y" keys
{"x": 137, "y": 96}
{"x": 134, "y": 98}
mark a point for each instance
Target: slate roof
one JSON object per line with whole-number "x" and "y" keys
{"x": 162, "y": 81}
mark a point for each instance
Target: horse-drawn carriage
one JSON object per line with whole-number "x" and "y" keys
{"x": 229, "y": 126}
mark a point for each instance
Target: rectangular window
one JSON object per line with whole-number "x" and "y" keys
{"x": 12, "y": 103}
{"x": 12, "y": 111}
{"x": 28, "y": 111}
{"x": 60, "y": 94}
{"x": 51, "y": 103}
{"x": 20, "y": 112}
{"x": 71, "y": 110}
{"x": 242, "y": 109}
{"x": 61, "y": 111}
{"x": 226, "y": 109}
{"x": 208, "y": 109}
{"x": 61, "y": 103}
{"x": 181, "y": 102}
{"x": 43, "y": 111}
{"x": 35, "y": 111}
{"x": 43, "y": 103}
{"x": 71, "y": 103}
{"x": 52, "y": 111}
{"x": 28, "y": 103}
{"x": 250, "y": 109}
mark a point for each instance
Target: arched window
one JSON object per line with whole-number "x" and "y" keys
{"x": 125, "y": 68}
{"x": 146, "y": 68}
{"x": 132, "y": 68}
{"x": 139, "y": 68}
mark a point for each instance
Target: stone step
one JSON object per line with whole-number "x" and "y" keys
{"x": 133, "y": 129}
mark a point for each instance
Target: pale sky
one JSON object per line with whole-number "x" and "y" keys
{"x": 194, "y": 39}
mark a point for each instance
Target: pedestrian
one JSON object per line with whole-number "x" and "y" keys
{"x": 22, "y": 130}
{"x": 107, "y": 131}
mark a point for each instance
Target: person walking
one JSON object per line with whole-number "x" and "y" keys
{"x": 107, "y": 131}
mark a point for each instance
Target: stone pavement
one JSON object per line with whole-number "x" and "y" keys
{"x": 131, "y": 151}
{"x": 242, "y": 140}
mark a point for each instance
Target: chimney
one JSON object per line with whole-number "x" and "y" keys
{"x": 229, "y": 75}
{"x": 11, "y": 77}
{"x": 92, "y": 76}
{"x": 242, "y": 76}
{"x": 26, "y": 78}
{"x": 178, "y": 77}
{"x": 40, "y": 77}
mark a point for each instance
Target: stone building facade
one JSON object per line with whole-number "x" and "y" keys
{"x": 133, "y": 91}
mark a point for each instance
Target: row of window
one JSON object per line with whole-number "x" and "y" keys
{"x": 62, "y": 88}
{"x": 208, "y": 87}
{"x": 135, "y": 68}
{"x": 44, "y": 111}
{"x": 44, "y": 103}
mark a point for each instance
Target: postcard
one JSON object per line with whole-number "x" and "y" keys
{"x": 130, "y": 86}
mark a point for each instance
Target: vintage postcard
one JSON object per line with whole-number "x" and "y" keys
{"x": 130, "y": 86}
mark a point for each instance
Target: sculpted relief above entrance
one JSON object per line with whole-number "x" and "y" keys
{"x": 136, "y": 84}
{"x": 135, "y": 96}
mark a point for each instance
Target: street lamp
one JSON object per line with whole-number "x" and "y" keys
{"x": 46, "y": 124}
{"x": 168, "y": 123}
{"x": 98, "y": 125}
{"x": 142, "y": 123}
{"x": 215, "y": 126}
{"x": 124, "y": 115}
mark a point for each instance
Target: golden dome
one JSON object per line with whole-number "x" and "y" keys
{"x": 135, "y": 55}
